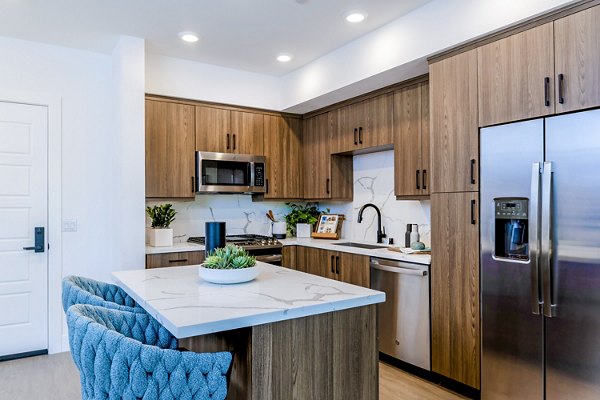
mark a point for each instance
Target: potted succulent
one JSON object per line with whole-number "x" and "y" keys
{"x": 301, "y": 219}
{"x": 161, "y": 216}
{"x": 229, "y": 264}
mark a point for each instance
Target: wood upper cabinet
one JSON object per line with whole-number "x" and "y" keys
{"x": 344, "y": 267}
{"x": 325, "y": 176}
{"x": 364, "y": 124}
{"x": 169, "y": 150}
{"x": 455, "y": 322}
{"x": 229, "y": 131}
{"x": 283, "y": 150}
{"x": 577, "y": 56}
{"x": 516, "y": 77}
{"x": 454, "y": 136}
{"x": 411, "y": 140}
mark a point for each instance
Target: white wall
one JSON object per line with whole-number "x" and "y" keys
{"x": 175, "y": 77}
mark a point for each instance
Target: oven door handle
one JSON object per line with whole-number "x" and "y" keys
{"x": 272, "y": 258}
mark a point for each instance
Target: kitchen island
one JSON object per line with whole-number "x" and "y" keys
{"x": 294, "y": 335}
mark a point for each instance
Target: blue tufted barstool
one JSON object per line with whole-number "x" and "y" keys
{"x": 80, "y": 290}
{"x": 107, "y": 348}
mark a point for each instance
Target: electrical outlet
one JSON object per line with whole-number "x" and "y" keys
{"x": 69, "y": 225}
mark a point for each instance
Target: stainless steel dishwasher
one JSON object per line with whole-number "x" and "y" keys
{"x": 404, "y": 317}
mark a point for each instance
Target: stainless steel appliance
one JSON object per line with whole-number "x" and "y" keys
{"x": 230, "y": 173}
{"x": 264, "y": 248}
{"x": 540, "y": 258}
{"x": 404, "y": 317}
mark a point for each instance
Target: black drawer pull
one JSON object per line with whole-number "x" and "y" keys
{"x": 418, "y": 180}
{"x": 177, "y": 261}
{"x": 473, "y": 221}
{"x": 228, "y": 142}
{"x": 424, "y": 179}
{"x": 337, "y": 265}
{"x": 332, "y": 260}
{"x": 355, "y": 136}
{"x": 328, "y": 186}
{"x": 472, "y": 171}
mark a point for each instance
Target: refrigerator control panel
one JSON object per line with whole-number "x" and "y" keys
{"x": 511, "y": 208}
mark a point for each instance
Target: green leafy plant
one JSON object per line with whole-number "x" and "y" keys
{"x": 229, "y": 257}
{"x": 302, "y": 214}
{"x": 161, "y": 215}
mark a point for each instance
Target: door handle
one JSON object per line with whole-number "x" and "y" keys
{"x": 418, "y": 180}
{"x": 179, "y": 260}
{"x": 39, "y": 233}
{"x": 472, "y": 171}
{"x": 360, "y": 134}
{"x": 267, "y": 186}
{"x": 193, "y": 185}
{"x": 228, "y": 142}
{"x": 547, "y": 92}
{"x": 534, "y": 238}
{"x": 561, "y": 88}
{"x": 424, "y": 179}
{"x": 337, "y": 265}
{"x": 355, "y": 136}
{"x": 332, "y": 260}
{"x": 473, "y": 220}
{"x": 546, "y": 239}
{"x": 234, "y": 141}
{"x": 328, "y": 185}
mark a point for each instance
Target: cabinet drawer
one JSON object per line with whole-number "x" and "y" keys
{"x": 174, "y": 259}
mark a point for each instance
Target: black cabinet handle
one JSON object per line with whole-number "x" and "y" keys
{"x": 418, "y": 180}
{"x": 473, "y": 221}
{"x": 228, "y": 143}
{"x": 547, "y": 91}
{"x": 355, "y": 136}
{"x": 332, "y": 259}
{"x": 561, "y": 88}
{"x": 234, "y": 141}
{"x": 177, "y": 261}
{"x": 337, "y": 265}
{"x": 328, "y": 186}
{"x": 472, "y": 171}
{"x": 360, "y": 134}
{"x": 424, "y": 179}
{"x": 193, "y": 185}
{"x": 267, "y": 185}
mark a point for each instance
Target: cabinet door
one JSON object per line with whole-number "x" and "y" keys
{"x": 577, "y": 53}
{"x": 174, "y": 259}
{"x": 407, "y": 144}
{"x": 353, "y": 269}
{"x": 344, "y": 136}
{"x": 283, "y": 149}
{"x": 213, "y": 130}
{"x": 516, "y": 77}
{"x": 316, "y": 157}
{"x": 170, "y": 135}
{"x": 288, "y": 257}
{"x": 454, "y": 132}
{"x": 455, "y": 323}
{"x": 425, "y": 139}
{"x": 316, "y": 261}
{"x": 380, "y": 120}
{"x": 247, "y": 130}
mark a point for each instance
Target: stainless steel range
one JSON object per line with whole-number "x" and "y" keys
{"x": 264, "y": 248}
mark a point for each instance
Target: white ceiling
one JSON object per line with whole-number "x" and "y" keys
{"x": 241, "y": 34}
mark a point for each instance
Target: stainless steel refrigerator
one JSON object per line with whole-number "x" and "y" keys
{"x": 540, "y": 258}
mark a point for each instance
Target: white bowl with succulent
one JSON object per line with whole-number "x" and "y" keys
{"x": 227, "y": 265}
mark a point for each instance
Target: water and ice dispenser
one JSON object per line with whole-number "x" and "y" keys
{"x": 511, "y": 229}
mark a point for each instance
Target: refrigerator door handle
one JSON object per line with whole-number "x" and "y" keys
{"x": 534, "y": 239}
{"x": 546, "y": 240}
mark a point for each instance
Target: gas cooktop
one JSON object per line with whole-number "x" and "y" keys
{"x": 248, "y": 242}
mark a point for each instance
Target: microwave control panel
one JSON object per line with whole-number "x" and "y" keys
{"x": 259, "y": 174}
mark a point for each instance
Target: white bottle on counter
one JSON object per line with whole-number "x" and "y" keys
{"x": 414, "y": 234}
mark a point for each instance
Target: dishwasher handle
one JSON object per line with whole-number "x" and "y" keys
{"x": 398, "y": 270}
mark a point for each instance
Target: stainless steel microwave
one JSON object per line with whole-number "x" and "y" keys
{"x": 230, "y": 173}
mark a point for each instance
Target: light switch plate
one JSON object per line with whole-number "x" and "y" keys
{"x": 69, "y": 225}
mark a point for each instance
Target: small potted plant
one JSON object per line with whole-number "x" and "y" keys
{"x": 161, "y": 216}
{"x": 229, "y": 264}
{"x": 301, "y": 219}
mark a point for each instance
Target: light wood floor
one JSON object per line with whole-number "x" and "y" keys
{"x": 55, "y": 377}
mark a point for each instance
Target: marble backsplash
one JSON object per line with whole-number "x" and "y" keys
{"x": 373, "y": 183}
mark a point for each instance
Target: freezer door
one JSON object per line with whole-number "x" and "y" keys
{"x": 512, "y": 335}
{"x": 573, "y": 334}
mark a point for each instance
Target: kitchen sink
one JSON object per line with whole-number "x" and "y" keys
{"x": 361, "y": 245}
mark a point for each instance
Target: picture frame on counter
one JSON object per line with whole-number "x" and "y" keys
{"x": 329, "y": 226}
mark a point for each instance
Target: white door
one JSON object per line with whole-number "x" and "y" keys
{"x": 23, "y": 206}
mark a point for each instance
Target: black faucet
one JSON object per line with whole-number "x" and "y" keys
{"x": 380, "y": 231}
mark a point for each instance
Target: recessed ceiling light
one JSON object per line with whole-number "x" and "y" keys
{"x": 284, "y": 57}
{"x": 190, "y": 37}
{"x": 356, "y": 16}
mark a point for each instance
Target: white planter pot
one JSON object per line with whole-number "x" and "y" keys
{"x": 160, "y": 237}
{"x": 228, "y": 276}
{"x": 303, "y": 230}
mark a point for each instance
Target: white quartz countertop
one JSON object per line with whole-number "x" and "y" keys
{"x": 317, "y": 243}
{"x": 381, "y": 253}
{"x": 188, "y": 306}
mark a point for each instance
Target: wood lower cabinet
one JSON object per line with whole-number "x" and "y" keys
{"x": 577, "y": 51}
{"x": 288, "y": 257}
{"x": 345, "y": 267}
{"x": 229, "y": 131}
{"x": 325, "y": 176}
{"x": 454, "y": 136}
{"x": 455, "y": 313}
{"x": 283, "y": 149}
{"x": 411, "y": 141}
{"x": 516, "y": 77}
{"x": 169, "y": 150}
{"x": 174, "y": 259}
